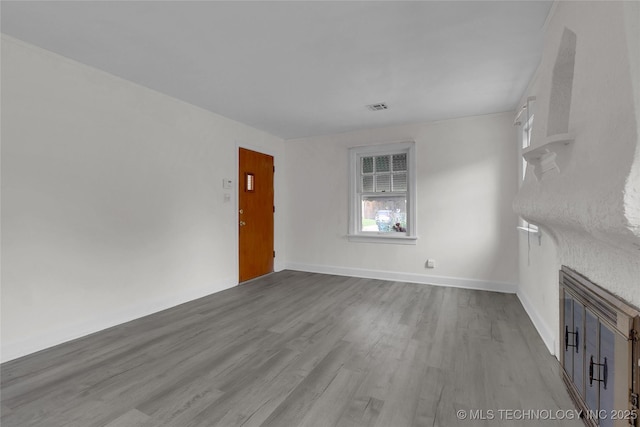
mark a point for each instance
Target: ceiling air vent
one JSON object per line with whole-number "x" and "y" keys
{"x": 377, "y": 107}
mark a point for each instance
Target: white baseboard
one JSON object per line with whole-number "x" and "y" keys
{"x": 548, "y": 337}
{"x": 546, "y": 333}
{"x": 18, "y": 348}
{"x": 454, "y": 282}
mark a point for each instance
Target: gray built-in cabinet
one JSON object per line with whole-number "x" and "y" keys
{"x": 600, "y": 352}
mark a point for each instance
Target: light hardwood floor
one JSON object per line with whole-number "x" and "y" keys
{"x": 299, "y": 349}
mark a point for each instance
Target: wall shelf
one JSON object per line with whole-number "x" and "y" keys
{"x": 543, "y": 157}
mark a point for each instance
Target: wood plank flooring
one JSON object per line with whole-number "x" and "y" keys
{"x": 299, "y": 349}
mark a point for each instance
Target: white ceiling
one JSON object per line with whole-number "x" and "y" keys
{"x": 303, "y": 68}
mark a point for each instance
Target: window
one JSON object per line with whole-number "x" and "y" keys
{"x": 527, "y": 131}
{"x": 382, "y": 193}
{"x": 526, "y": 137}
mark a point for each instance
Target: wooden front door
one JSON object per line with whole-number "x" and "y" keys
{"x": 255, "y": 214}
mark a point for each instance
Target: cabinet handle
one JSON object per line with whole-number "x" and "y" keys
{"x": 605, "y": 373}
{"x": 576, "y": 339}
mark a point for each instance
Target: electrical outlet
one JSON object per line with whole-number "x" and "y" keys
{"x": 431, "y": 263}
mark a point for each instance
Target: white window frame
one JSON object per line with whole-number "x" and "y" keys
{"x": 525, "y": 142}
{"x": 355, "y": 234}
{"x": 527, "y": 128}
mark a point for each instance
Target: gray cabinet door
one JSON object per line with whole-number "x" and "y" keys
{"x": 578, "y": 353}
{"x": 568, "y": 338}
{"x": 574, "y": 341}
{"x": 607, "y": 374}
{"x": 591, "y": 339}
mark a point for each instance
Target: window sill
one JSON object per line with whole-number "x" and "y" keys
{"x": 533, "y": 231}
{"x": 383, "y": 238}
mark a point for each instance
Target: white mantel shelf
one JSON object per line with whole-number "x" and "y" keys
{"x": 551, "y": 144}
{"x": 543, "y": 157}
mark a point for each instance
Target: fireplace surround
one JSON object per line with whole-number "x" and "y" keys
{"x": 600, "y": 351}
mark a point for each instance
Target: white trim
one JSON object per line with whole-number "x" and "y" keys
{"x": 18, "y": 348}
{"x": 548, "y": 337}
{"x": 353, "y": 232}
{"x": 389, "y": 238}
{"x": 547, "y": 21}
{"x": 529, "y": 229}
{"x": 525, "y": 107}
{"x": 453, "y": 282}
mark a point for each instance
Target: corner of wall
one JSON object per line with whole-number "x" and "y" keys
{"x": 545, "y": 332}
{"x": 126, "y": 313}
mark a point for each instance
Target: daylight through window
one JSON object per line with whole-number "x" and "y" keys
{"x": 383, "y": 185}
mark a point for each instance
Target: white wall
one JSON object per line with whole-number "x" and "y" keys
{"x": 112, "y": 199}
{"x": 539, "y": 267}
{"x": 590, "y": 210}
{"x": 467, "y": 178}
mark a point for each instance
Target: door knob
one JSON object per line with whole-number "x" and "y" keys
{"x": 242, "y": 223}
{"x": 241, "y": 211}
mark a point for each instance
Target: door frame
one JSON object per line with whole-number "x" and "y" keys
{"x": 236, "y": 171}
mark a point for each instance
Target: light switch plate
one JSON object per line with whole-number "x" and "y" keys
{"x": 227, "y": 184}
